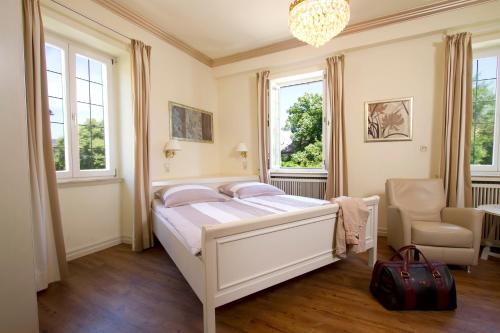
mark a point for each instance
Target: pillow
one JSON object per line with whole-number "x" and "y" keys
{"x": 181, "y": 195}
{"x": 249, "y": 189}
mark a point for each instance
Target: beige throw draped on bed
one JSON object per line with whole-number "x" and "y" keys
{"x": 337, "y": 161}
{"x": 143, "y": 230}
{"x": 263, "y": 116}
{"x": 50, "y": 255}
{"x": 455, "y": 159}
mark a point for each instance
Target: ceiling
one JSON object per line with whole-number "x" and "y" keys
{"x": 219, "y": 28}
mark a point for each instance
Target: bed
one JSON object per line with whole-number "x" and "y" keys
{"x": 263, "y": 247}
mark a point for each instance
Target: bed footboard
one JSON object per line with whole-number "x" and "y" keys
{"x": 243, "y": 258}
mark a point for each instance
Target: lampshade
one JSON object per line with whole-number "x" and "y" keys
{"x": 242, "y": 148}
{"x": 172, "y": 145}
{"x": 318, "y": 21}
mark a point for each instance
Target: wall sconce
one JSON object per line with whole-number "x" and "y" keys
{"x": 243, "y": 150}
{"x": 170, "y": 149}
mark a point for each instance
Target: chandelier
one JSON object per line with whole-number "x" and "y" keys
{"x": 318, "y": 21}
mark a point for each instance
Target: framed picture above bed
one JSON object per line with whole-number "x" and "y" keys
{"x": 389, "y": 120}
{"x": 190, "y": 124}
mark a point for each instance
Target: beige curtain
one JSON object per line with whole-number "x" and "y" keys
{"x": 263, "y": 115}
{"x": 141, "y": 85}
{"x": 50, "y": 255}
{"x": 337, "y": 162}
{"x": 455, "y": 159}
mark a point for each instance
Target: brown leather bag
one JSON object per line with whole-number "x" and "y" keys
{"x": 413, "y": 285}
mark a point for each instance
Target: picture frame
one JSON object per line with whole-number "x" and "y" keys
{"x": 389, "y": 120}
{"x": 190, "y": 124}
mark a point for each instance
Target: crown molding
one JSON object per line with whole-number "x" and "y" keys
{"x": 399, "y": 17}
{"x": 144, "y": 23}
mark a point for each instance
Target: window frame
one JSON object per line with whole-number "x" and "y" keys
{"x": 72, "y": 150}
{"x": 494, "y": 169}
{"x": 60, "y": 44}
{"x": 275, "y": 84}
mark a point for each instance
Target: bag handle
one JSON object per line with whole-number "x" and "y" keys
{"x": 401, "y": 251}
{"x": 406, "y": 259}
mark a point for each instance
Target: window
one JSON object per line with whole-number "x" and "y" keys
{"x": 485, "y": 130}
{"x": 78, "y": 90}
{"x": 296, "y": 123}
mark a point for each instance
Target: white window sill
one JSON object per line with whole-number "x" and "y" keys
{"x": 482, "y": 178}
{"x": 81, "y": 182}
{"x": 299, "y": 172}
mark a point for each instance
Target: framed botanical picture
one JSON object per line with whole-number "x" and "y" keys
{"x": 389, "y": 120}
{"x": 190, "y": 124}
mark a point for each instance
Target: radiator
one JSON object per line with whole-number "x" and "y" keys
{"x": 305, "y": 186}
{"x": 487, "y": 194}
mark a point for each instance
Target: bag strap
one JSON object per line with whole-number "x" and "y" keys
{"x": 401, "y": 251}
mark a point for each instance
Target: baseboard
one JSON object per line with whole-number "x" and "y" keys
{"x": 96, "y": 247}
{"x": 127, "y": 240}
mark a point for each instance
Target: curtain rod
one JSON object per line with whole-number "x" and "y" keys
{"x": 90, "y": 19}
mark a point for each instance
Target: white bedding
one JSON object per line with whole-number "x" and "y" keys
{"x": 188, "y": 220}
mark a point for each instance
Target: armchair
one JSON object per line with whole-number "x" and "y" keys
{"x": 417, "y": 214}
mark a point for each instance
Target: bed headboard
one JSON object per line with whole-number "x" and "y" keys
{"x": 213, "y": 182}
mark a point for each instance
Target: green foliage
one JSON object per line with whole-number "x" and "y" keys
{"x": 310, "y": 157}
{"x": 483, "y": 125}
{"x": 305, "y": 123}
{"x": 59, "y": 155}
{"x": 92, "y": 147}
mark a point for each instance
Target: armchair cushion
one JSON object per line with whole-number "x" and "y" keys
{"x": 440, "y": 234}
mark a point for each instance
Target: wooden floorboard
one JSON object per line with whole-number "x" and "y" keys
{"x": 117, "y": 290}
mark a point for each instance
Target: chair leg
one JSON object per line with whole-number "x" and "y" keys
{"x": 468, "y": 269}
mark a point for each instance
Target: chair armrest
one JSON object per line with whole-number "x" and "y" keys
{"x": 398, "y": 227}
{"x": 469, "y": 218}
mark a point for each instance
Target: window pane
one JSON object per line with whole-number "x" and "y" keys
{"x": 54, "y": 82}
{"x": 482, "y": 143}
{"x": 487, "y": 68}
{"x": 82, "y": 91}
{"x": 59, "y": 157}
{"x": 301, "y": 125}
{"x": 96, "y": 69}
{"x": 83, "y": 113}
{"x": 98, "y": 148}
{"x": 474, "y": 69}
{"x": 55, "y": 88}
{"x": 92, "y": 148}
{"x": 58, "y": 145}
{"x": 82, "y": 67}
{"x": 56, "y": 110}
{"x": 485, "y": 90}
{"x": 54, "y": 59}
{"x": 97, "y": 116}
{"x": 484, "y": 113}
{"x": 96, "y": 93}
{"x": 85, "y": 144}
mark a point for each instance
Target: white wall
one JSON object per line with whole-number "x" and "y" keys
{"x": 18, "y": 308}
{"x": 403, "y": 60}
{"x": 175, "y": 76}
{"x": 91, "y": 218}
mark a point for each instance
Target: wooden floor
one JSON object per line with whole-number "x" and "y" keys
{"x": 119, "y": 291}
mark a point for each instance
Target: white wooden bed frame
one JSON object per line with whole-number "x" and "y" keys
{"x": 244, "y": 257}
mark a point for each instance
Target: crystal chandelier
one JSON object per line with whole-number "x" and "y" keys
{"x": 317, "y": 21}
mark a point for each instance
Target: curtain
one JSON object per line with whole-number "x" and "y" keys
{"x": 455, "y": 159}
{"x": 263, "y": 115}
{"x": 141, "y": 85}
{"x": 337, "y": 162}
{"x": 50, "y": 254}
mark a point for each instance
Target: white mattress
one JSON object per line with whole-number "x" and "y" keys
{"x": 188, "y": 220}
